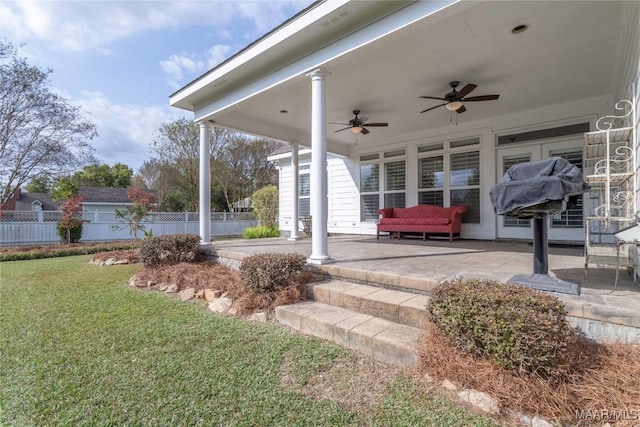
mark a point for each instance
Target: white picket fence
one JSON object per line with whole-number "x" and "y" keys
{"x": 27, "y": 228}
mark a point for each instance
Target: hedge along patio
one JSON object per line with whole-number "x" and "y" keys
{"x": 418, "y": 266}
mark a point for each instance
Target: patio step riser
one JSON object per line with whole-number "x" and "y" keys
{"x": 396, "y": 306}
{"x": 381, "y": 339}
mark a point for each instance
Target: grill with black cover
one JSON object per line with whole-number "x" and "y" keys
{"x": 534, "y": 190}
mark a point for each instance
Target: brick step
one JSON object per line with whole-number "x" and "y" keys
{"x": 396, "y": 306}
{"x": 382, "y": 339}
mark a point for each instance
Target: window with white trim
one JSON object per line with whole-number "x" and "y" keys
{"x": 304, "y": 190}
{"x": 383, "y": 179}
{"x": 449, "y": 175}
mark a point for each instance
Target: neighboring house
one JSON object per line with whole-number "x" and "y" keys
{"x": 105, "y": 199}
{"x": 35, "y": 202}
{"x": 556, "y": 66}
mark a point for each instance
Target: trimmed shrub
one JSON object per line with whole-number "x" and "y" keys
{"x": 69, "y": 230}
{"x": 61, "y": 252}
{"x": 514, "y": 326}
{"x": 268, "y": 272}
{"x": 170, "y": 249}
{"x": 260, "y": 232}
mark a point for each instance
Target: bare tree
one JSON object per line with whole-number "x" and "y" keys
{"x": 41, "y": 135}
{"x": 177, "y": 143}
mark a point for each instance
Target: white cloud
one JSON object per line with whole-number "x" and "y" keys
{"x": 87, "y": 25}
{"x": 179, "y": 65}
{"x": 125, "y": 132}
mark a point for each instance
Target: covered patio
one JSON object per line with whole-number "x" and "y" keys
{"x": 416, "y": 266}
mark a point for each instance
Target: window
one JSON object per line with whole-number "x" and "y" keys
{"x": 431, "y": 181}
{"x": 304, "y": 190}
{"x": 449, "y": 176}
{"x": 369, "y": 191}
{"x": 388, "y": 187}
{"x": 465, "y": 184}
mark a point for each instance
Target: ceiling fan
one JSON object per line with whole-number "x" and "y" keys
{"x": 358, "y": 124}
{"x": 454, "y": 99}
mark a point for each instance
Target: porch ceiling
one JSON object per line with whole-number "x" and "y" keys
{"x": 569, "y": 52}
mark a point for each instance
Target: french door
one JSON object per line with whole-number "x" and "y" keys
{"x": 566, "y": 226}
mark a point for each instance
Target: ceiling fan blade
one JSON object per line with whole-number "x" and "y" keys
{"x": 362, "y": 119}
{"x": 340, "y": 130}
{"x": 482, "y": 98}
{"x": 466, "y": 90}
{"x": 433, "y": 97}
{"x": 432, "y": 108}
{"x": 343, "y": 124}
{"x": 364, "y": 131}
{"x": 376, "y": 124}
{"x": 461, "y": 110}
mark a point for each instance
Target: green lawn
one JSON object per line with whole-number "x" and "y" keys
{"x": 78, "y": 347}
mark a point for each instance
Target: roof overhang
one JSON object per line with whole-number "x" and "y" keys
{"x": 382, "y": 55}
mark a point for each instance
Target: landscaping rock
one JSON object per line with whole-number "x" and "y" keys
{"x": 172, "y": 288}
{"x": 162, "y": 287}
{"x": 535, "y": 421}
{"x": 211, "y": 294}
{"x": 480, "y": 400}
{"x": 187, "y": 294}
{"x": 259, "y": 316}
{"x": 122, "y": 261}
{"x": 200, "y": 294}
{"x": 221, "y": 305}
{"x": 133, "y": 282}
{"x": 449, "y": 385}
{"x": 109, "y": 261}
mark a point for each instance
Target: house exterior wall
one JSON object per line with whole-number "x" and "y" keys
{"x": 344, "y": 172}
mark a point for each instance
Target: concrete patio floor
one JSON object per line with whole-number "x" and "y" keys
{"x": 417, "y": 266}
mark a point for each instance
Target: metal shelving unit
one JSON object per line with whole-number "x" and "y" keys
{"x": 610, "y": 166}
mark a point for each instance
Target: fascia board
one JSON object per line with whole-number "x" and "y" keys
{"x": 315, "y": 60}
{"x": 244, "y": 57}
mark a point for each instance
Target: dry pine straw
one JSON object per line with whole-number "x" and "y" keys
{"x": 602, "y": 377}
{"x": 209, "y": 275}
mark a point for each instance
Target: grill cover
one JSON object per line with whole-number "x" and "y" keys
{"x": 541, "y": 182}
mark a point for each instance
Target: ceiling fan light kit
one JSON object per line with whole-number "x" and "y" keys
{"x": 358, "y": 125}
{"x": 453, "y": 106}
{"x": 454, "y": 100}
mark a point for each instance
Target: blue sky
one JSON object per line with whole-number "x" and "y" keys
{"x": 120, "y": 60}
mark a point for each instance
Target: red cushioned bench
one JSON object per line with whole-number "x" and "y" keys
{"x": 423, "y": 219}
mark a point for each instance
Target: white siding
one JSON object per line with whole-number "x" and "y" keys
{"x": 344, "y": 208}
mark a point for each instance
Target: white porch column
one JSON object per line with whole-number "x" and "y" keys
{"x": 319, "y": 243}
{"x": 294, "y": 193}
{"x": 205, "y": 184}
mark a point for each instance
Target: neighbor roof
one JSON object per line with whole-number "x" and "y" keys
{"x": 26, "y": 201}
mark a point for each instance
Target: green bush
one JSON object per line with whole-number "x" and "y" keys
{"x": 268, "y": 272}
{"x": 260, "y": 232}
{"x": 169, "y": 249}
{"x": 514, "y": 326}
{"x": 265, "y": 205}
{"x": 70, "y": 231}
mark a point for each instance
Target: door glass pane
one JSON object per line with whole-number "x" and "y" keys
{"x": 571, "y": 218}
{"x": 471, "y": 199}
{"x": 465, "y": 169}
{"x": 431, "y": 172}
{"x": 369, "y": 178}
{"x": 394, "y": 174}
{"x": 507, "y": 162}
{"x": 394, "y": 200}
{"x": 369, "y": 205}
